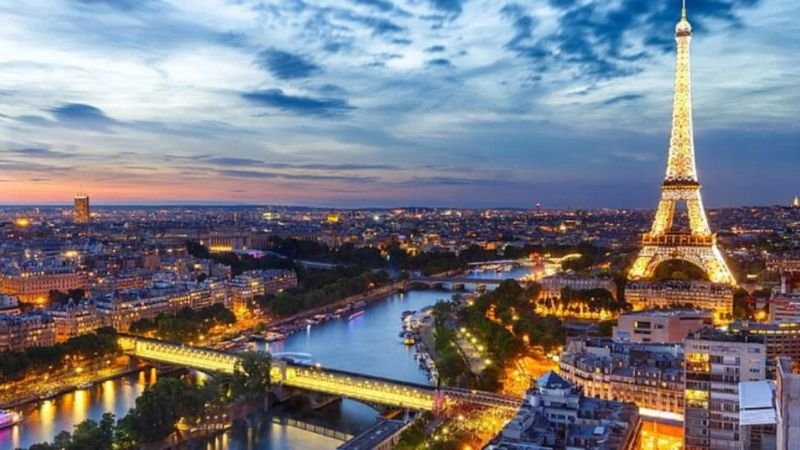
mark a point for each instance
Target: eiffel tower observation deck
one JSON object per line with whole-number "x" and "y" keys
{"x": 664, "y": 241}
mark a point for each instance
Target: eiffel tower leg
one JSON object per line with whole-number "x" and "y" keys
{"x": 664, "y": 216}
{"x": 697, "y": 215}
{"x": 643, "y": 267}
{"x": 715, "y": 266}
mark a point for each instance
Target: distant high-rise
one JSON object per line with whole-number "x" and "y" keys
{"x": 81, "y": 211}
{"x": 796, "y": 202}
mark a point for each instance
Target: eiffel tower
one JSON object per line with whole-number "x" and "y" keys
{"x": 697, "y": 245}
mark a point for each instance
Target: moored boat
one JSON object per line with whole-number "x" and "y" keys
{"x": 356, "y": 314}
{"x": 9, "y": 418}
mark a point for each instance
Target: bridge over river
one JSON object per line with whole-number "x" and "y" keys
{"x": 365, "y": 388}
{"x": 454, "y": 282}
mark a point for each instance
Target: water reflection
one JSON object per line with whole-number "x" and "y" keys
{"x": 80, "y": 404}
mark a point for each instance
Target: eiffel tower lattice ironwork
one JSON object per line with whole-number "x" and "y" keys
{"x": 697, "y": 245}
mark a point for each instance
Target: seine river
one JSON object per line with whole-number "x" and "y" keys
{"x": 368, "y": 344}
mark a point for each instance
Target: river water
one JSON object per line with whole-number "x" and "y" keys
{"x": 368, "y": 344}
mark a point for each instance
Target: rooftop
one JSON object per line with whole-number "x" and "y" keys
{"x": 756, "y": 403}
{"x": 673, "y": 312}
{"x": 713, "y": 334}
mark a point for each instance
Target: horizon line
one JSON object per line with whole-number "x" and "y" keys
{"x": 168, "y": 203}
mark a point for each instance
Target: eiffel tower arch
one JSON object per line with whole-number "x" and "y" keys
{"x": 697, "y": 244}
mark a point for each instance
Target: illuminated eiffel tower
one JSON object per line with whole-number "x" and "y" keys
{"x": 697, "y": 245}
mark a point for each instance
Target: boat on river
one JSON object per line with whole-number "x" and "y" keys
{"x": 356, "y": 314}
{"x": 9, "y": 418}
{"x": 273, "y": 336}
{"x": 49, "y": 394}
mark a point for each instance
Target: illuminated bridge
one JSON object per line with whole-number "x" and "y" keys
{"x": 455, "y": 282}
{"x": 364, "y": 388}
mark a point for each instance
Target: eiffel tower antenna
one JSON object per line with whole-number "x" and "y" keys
{"x": 683, "y": 10}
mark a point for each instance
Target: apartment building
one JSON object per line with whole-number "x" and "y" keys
{"x": 715, "y": 363}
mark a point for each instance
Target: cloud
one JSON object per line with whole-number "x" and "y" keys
{"x": 347, "y": 167}
{"x": 439, "y": 62}
{"x": 302, "y": 177}
{"x": 452, "y": 7}
{"x": 81, "y": 115}
{"x": 286, "y": 66}
{"x": 435, "y": 49}
{"x": 232, "y": 161}
{"x": 378, "y": 25}
{"x": 622, "y": 99}
{"x": 381, "y": 5}
{"x": 523, "y": 42}
{"x": 39, "y": 152}
{"x": 123, "y": 5}
{"x": 34, "y": 167}
{"x": 276, "y": 98}
{"x": 600, "y": 40}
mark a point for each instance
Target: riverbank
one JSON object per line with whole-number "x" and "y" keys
{"x": 367, "y": 297}
{"x": 87, "y": 378}
{"x": 30, "y": 391}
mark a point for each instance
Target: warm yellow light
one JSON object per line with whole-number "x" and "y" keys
{"x": 22, "y": 222}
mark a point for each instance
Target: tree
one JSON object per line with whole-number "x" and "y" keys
{"x": 251, "y": 376}
{"x": 158, "y": 410}
{"x": 94, "y": 435}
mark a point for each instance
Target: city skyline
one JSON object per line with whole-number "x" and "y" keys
{"x": 379, "y": 103}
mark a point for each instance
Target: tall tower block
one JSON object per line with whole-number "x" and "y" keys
{"x": 81, "y": 211}
{"x": 697, "y": 245}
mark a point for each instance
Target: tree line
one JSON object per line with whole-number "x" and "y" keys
{"x": 291, "y": 302}
{"x": 186, "y": 325}
{"x": 15, "y": 365}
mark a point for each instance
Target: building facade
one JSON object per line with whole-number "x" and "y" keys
{"x": 121, "y": 309}
{"x": 649, "y": 376}
{"x": 716, "y": 297}
{"x": 715, "y": 363}
{"x": 75, "y": 319}
{"x": 244, "y": 288}
{"x": 28, "y": 330}
{"x": 787, "y": 396}
{"x": 663, "y": 326}
{"x": 780, "y": 338}
{"x": 553, "y": 285}
{"x": 34, "y": 285}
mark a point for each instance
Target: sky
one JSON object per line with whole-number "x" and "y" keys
{"x": 350, "y": 103}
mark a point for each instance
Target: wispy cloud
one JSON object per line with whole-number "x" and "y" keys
{"x": 277, "y": 99}
{"x": 285, "y": 65}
